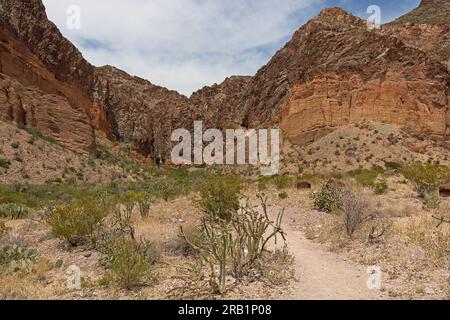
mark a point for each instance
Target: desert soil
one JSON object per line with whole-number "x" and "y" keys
{"x": 323, "y": 275}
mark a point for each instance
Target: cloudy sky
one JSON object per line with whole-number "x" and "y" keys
{"x": 187, "y": 44}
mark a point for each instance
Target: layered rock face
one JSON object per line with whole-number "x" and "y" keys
{"x": 428, "y": 12}
{"x": 52, "y": 81}
{"x": 141, "y": 113}
{"x": 335, "y": 71}
{"x": 432, "y": 39}
{"x": 426, "y": 28}
{"x": 221, "y": 104}
{"x": 51, "y": 114}
{"x": 26, "y": 21}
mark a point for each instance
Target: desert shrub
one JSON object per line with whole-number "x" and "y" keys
{"x": 426, "y": 178}
{"x": 219, "y": 197}
{"x": 166, "y": 188}
{"x": 328, "y": 198}
{"x": 367, "y": 178}
{"x": 189, "y": 237}
{"x": 354, "y": 210}
{"x": 282, "y": 181}
{"x": 144, "y": 204}
{"x": 431, "y": 201}
{"x": 5, "y": 163}
{"x": 423, "y": 232}
{"x": 263, "y": 183}
{"x": 76, "y": 221}
{"x": 13, "y": 211}
{"x": 3, "y": 229}
{"x": 17, "y": 258}
{"x": 129, "y": 265}
{"x": 277, "y": 268}
{"x": 128, "y": 259}
{"x": 390, "y": 165}
{"x": 235, "y": 246}
{"x": 283, "y": 195}
{"x": 381, "y": 187}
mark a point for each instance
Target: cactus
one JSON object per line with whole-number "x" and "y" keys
{"x": 18, "y": 258}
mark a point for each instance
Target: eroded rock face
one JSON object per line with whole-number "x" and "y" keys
{"x": 141, "y": 113}
{"x": 335, "y": 71}
{"x": 145, "y": 115}
{"x": 51, "y": 114}
{"x": 27, "y": 22}
{"x": 46, "y": 82}
{"x": 433, "y": 39}
{"x": 428, "y": 12}
{"x": 222, "y": 104}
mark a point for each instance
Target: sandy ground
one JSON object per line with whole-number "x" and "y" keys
{"x": 323, "y": 275}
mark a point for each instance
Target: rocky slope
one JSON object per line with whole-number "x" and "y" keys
{"x": 426, "y": 28}
{"x": 46, "y": 82}
{"x": 333, "y": 72}
{"x": 428, "y": 12}
{"x": 140, "y": 113}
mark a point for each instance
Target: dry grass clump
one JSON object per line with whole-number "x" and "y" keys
{"x": 20, "y": 287}
{"x": 4, "y": 229}
{"x": 354, "y": 211}
{"x": 355, "y": 219}
{"x": 276, "y": 269}
{"x": 425, "y": 232}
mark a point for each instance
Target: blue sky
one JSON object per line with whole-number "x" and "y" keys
{"x": 187, "y": 44}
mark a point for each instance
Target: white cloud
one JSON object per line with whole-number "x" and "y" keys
{"x": 182, "y": 44}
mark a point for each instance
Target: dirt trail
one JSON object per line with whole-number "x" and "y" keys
{"x": 323, "y": 275}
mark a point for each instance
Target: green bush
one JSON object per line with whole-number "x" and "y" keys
{"x": 432, "y": 201}
{"x": 381, "y": 187}
{"x": 166, "y": 188}
{"x": 17, "y": 258}
{"x": 129, "y": 264}
{"x": 390, "y": 165}
{"x": 144, "y": 205}
{"x": 76, "y": 221}
{"x": 219, "y": 197}
{"x": 426, "y": 179}
{"x": 13, "y": 211}
{"x": 264, "y": 183}
{"x": 282, "y": 181}
{"x": 4, "y": 163}
{"x": 283, "y": 195}
{"x": 367, "y": 178}
{"x": 328, "y": 198}
{"x": 3, "y": 229}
